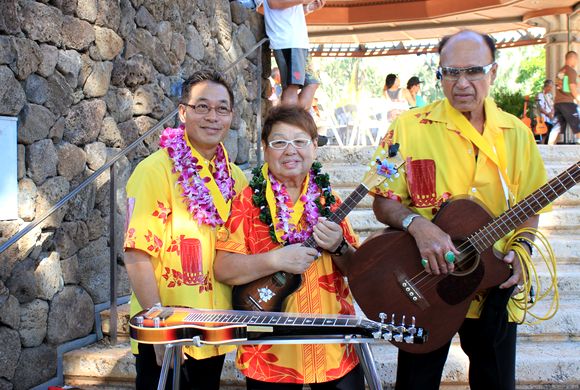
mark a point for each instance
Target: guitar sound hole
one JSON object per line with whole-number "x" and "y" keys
{"x": 466, "y": 264}
{"x": 465, "y": 278}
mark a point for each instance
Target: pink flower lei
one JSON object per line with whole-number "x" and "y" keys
{"x": 311, "y": 211}
{"x": 196, "y": 195}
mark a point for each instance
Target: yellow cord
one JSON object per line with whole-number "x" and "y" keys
{"x": 525, "y": 301}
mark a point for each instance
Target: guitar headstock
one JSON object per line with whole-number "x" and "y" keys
{"x": 398, "y": 332}
{"x": 385, "y": 169}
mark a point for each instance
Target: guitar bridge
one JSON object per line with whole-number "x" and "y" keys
{"x": 412, "y": 292}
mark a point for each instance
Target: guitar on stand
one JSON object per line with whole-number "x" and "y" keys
{"x": 179, "y": 326}
{"x": 386, "y": 270}
{"x": 268, "y": 293}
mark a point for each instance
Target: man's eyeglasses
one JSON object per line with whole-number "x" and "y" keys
{"x": 203, "y": 109}
{"x": 298, "y": 143}
{"x": 472, "y": 73}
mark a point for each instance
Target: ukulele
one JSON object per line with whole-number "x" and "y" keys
{"x": 525, "y": 118}
{"x": 541, "y": 128}
{"x": 268, "y": 293}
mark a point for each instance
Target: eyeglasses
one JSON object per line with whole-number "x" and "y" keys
{"x": 472, "y": 73}
{"x": 203, "y": 109}
{"x": 298, "y": 143}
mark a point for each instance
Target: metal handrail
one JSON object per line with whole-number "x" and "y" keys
{"x": 112, "y": 192}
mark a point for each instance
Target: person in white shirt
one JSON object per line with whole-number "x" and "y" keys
{"x": 545, "y": 104}
{"x": 286, "y": 29}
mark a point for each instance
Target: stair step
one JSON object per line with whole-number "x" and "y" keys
{"x": 548, "y": 364}
{"x": 545, "y": 365}
{"x": 570, "y": 199}
{"x": 562, "y": 220}
{"x": 122, "y": 322}
{"x": 551, "y": 154}
{"x": 100, "y": 364}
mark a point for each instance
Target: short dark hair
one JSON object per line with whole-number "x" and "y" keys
{"x": 201, "y": 76}
{"x": 571, "y": 53}
{"x": 390, "y": 80}
{"x": 489, "y": 41}
{"x": 291, "y": 115}
{"x": 547, "y": 82}
{"x": 413, "y": 81}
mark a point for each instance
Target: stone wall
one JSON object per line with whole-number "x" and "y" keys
{"x": 86, "y": 78}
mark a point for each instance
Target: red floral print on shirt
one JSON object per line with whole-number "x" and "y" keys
{"x": 162, "y": 212}
{"x": 335, "y": 284}
{"x": 261, "y": 365}
{"x": 156, "y": 242}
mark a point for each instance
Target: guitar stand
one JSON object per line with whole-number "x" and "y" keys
{"x": 173, "y": 353}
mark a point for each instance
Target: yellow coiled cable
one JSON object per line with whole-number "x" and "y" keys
{"x": 525, "y": 301}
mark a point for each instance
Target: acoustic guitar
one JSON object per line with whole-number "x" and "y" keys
{"x": 268, "y": 293}
{"x": 162, "y": 325}
{"x": 386, "y": 270}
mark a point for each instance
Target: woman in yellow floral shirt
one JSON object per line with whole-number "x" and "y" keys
{"x": 293, "y": 196}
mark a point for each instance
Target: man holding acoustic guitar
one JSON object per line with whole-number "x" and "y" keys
{"x": 462, "y": 145}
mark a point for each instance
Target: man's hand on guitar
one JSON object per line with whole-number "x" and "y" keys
{"x": 517, "y": 278}
{"x": 295, "y": 258}
{"x": 433, "y": 244}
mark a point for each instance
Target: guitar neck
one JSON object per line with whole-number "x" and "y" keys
{"x": 521, "y": 212}
{"x": 346, "y": 207}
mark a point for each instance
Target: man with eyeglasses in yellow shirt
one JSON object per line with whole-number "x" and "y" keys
{"x": 462, "y": 145}
{"x": 177, "y": 201}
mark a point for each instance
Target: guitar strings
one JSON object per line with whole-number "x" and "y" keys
{"x": 433, "y": 280}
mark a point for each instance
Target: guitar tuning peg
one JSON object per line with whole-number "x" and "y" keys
{"x": 382, "y": 317}
{"x": 393, "y": 319}
{"x": 403, "y": 321}
{"x": 388, "y": 335}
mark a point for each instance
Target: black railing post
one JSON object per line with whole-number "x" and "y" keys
{"x": 113, "y": 254}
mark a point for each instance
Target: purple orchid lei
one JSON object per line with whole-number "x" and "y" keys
{"x": 196, "y": 195}
{"x": 311, "y": 212}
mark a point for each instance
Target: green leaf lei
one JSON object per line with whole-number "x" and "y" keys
{"x": 258, "y": 185}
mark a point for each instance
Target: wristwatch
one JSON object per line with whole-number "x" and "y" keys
{"x": 341, "y": 248}
{"x": 407, "y": 221}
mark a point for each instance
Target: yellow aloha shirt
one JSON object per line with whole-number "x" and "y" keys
{"x": 440, "y": 160}
{"x": 182, "y": 251}
{"x": 324, "y": 290}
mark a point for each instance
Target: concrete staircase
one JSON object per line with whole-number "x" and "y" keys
{"x": 547, "y": 356}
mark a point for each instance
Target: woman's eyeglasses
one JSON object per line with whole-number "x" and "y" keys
{"x": 298, "y": 143}
{"x": 472, "y": 73}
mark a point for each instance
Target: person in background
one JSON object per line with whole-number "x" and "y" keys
{"x": 567, "y": 98}
{"x": 276, "y": 85}
{"x": 463, "y": 145}
{"x": 411, "y": 93}
{"x": 177, "y": 200}
{"x": 286, "y": 28}
{"x": 545, "y": 104}
{"x": 396, "y": 102}
{"x": 287, "y": 201}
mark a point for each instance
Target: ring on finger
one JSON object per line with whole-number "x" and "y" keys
{"x": 424, "y": 262}
{"x": 450, "y": 257}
